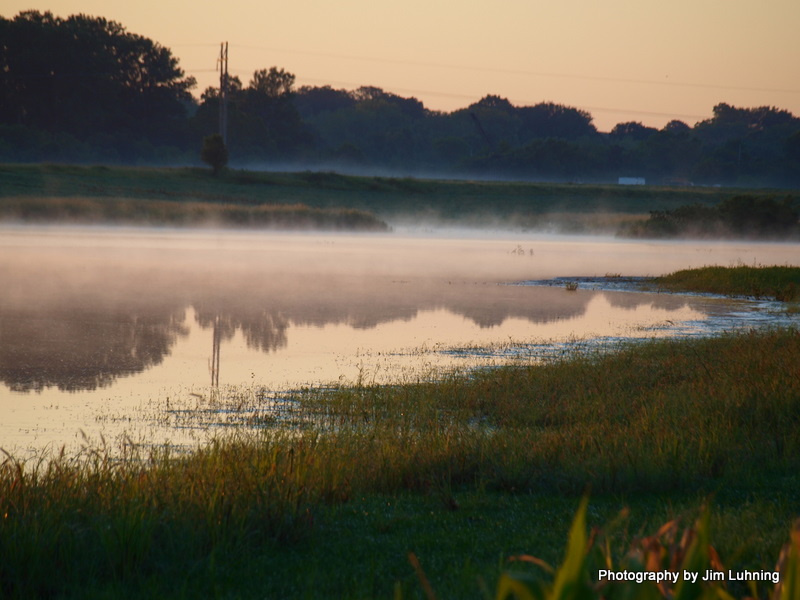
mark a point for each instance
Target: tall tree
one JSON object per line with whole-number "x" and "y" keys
{"x": 548, "y": 119}
{"x": 275, "y": 83}
{"x": 214, "y": 153}
{"x": 631, "y": 131}
{"x": 311, "y": 101}
{"x": 87, "y": 76}
{"x": 270, "y": 97}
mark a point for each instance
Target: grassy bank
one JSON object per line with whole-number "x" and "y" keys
{"x": 463, "y": 472}
{"x": 129, "y": 211}
{"x": 395, "y": 199}
{"x": 776, "y": 282}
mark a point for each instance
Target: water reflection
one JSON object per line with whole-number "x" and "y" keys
{"x": 98, "y": 326}
{"x": 81, "y": 339}
{"x": 81, "y": 308}
{"x": 75, "y": 348}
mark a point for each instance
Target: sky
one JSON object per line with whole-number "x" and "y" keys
{"x": 650, "y": 61}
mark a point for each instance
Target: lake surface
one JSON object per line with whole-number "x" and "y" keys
{"x": 156, "y": 335}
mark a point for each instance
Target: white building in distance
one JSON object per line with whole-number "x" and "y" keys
{"x": 631, "y": 181}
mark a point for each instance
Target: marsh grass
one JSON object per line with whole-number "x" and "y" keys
{"x": 685, "y": 417}
{"x": 660, "y": 415}
{"x": 91, "y": 210}
{"x": 773, "y": 282}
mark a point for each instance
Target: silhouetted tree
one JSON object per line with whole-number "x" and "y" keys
{"x": 792, "y": 146}
{"x": 275, "y": 83}
{"x": 676, "y": 126}
{"x": 547, "y": 120}
{"x": 632, "y": 131}
{"x": 269, "y": 97}
{"x": 88, "y": 77}
{"x": 214, "y": 153}
{"x": 311, "y": 101}
{"x": 730, "y": 122}
{"x": 83, "y": 88}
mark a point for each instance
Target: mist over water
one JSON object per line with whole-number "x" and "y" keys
{"x": 102, "y": 328}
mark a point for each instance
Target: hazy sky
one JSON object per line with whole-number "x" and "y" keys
{"x": 622, "y": 60}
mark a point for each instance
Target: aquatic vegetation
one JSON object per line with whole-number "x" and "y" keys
{"x": 780, "y": 283}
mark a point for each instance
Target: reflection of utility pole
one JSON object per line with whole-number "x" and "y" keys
{"x": 223, "y": 92}
{"x": 215, "y": 353}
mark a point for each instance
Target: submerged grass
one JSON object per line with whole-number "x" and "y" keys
{"x": 656, "y": 426}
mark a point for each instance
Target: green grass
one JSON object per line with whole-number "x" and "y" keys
{"x": 774, "y": 282}
{"x": 392, "y": 199}
{"x": 463, "y": 472}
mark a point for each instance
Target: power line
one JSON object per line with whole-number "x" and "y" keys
{"x": 473, "y": 98}
{"x": 523, "y": 72}
{"x": 517, "y": 102}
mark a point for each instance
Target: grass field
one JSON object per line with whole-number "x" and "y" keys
{"x": 397, "y": 200}
{"x": 463, "y": 472}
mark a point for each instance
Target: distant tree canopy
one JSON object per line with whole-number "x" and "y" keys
{"x": 89, "y": 78}
{"x": 549, "y": 120}
{"x": 632, "y": 131}
{"x": 263, "y": 120}
{"x": 83, "y": 89}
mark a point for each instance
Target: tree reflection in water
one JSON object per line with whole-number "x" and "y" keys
{"x": 86, "y": 342}
{"x": 77, "y": 313}
{"x": 77, "y": 349}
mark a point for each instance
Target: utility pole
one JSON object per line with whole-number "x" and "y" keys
{"x": 482, "y": 131}
{"x": 223, "y": 92}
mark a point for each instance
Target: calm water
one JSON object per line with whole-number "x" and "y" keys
{"x": 157, "y": 334}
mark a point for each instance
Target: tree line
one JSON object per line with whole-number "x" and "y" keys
{"x": 83, "y": 89}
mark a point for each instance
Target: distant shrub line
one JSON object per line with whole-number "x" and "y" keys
{"x": 742, "y": 216}
{"x": 84, "y": 210}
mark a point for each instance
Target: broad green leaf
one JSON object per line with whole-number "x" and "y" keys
{"x": 696, "y": 561}
{"x": 790, "y": 588}
{"x": 513, "y": 586}
{"x": 570, "y": 574}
